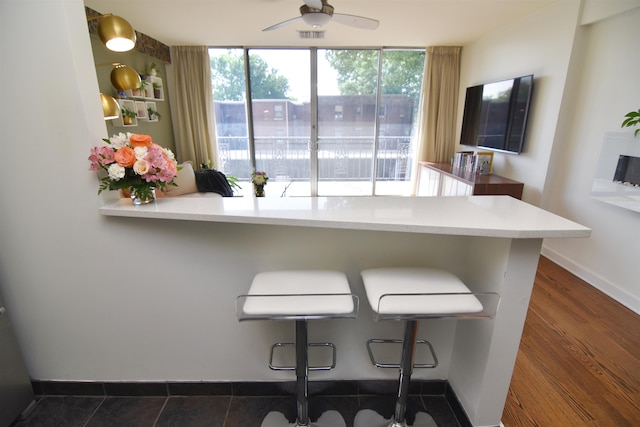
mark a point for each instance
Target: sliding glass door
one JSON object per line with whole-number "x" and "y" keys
{"x": 352, "y": 135}
{"x": 347, "y": 105}
{"x": 281, "y": 111}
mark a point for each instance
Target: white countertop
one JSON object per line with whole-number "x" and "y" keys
{"x": 489, "y": 216}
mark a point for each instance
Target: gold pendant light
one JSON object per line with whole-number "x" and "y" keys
{"x": 116, "y": 33}
{"x": 125, "y": 78}
{"x": 110, "y": 107}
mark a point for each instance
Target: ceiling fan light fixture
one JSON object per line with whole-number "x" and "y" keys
{"x": 317, "y": 13}
{"x": 316, "y": 19}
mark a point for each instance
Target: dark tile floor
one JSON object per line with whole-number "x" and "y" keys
{"x": 220, "y": 410}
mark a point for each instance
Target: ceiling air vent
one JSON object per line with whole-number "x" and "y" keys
{"x": 310, "y": 34}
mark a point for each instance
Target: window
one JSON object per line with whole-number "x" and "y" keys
{"x": 277, "y": 112}
{"x": 324, "y": 142}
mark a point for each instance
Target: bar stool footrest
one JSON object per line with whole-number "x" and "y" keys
{"x": 310, "y": 368}
{"x": 397, "y": 365}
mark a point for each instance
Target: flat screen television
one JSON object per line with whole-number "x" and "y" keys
{"x": 495, "y": 114}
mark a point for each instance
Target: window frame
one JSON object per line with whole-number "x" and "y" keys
{"x": 314, "y": 137}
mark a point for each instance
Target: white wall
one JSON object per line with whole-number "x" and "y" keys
{"x": 54, "y": 254}
{"x": 585, "y": 82}
{"x": 605, "y": 76}
{"x": 596, "y": 10}
{"x": 540, "y": 45}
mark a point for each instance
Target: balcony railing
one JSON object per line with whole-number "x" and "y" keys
{"x": 339, "y": 159}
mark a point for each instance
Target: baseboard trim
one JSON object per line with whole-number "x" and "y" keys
{"x": 243, "y": 388}
{"x": 620, "y": 295}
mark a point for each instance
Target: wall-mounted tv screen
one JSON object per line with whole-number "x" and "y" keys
{"x": 495, "y": 114}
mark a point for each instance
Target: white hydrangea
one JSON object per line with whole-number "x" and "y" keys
{"x": 120, "y": 140}
{"x": 170, "y": 154}
{"x": 141, "y": 152}
{"x": 116, "y": 172}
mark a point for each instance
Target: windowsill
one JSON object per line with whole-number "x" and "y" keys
{"x": 283, "y": 188}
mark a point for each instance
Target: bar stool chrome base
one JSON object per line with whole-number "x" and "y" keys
{"x": 327, "y": 419}
{"x": 299, "y": 296}
{"x": 410, "y": 295}
{"x": 370, "y": 418}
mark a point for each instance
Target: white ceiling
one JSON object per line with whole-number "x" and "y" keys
{"x": 403, "y": 23}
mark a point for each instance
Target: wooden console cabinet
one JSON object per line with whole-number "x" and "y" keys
{"x": 440, "y": 179}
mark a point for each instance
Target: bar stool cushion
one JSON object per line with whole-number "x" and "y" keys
{"x": 409, "y": 291}
{"x": 299, "y": 293}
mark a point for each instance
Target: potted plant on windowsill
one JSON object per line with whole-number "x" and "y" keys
{"x": 259, "y": 180}
{"x": 128, "y": 116}
{"x": 233, "y": 183}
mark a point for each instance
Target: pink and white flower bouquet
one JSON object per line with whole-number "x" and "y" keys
{"x": 134, "y": 162}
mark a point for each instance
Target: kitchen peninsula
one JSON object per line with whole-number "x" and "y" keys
{"x": 491, "y": 242}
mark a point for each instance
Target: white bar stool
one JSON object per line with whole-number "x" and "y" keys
{"x": 299, "y": 295}
{"x": 411, "y": 294}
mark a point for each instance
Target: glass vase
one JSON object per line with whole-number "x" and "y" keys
{"x": 258, "y": 190}
{"x": 143, "y": 196}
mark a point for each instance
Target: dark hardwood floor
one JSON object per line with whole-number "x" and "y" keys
{"x": 579, "y": 359}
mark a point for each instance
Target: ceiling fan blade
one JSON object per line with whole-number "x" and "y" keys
{"x": 316, "y": 4}
{"x": 356, "y": 21}
{"x": 283, "y": 23}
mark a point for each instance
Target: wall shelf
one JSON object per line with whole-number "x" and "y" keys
{"x": 130, "y": 105}
{"x": 157, "y": 92}
{"x": 151, "y": 111}
{"x": 141, "y": 109}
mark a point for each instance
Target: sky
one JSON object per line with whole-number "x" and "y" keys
{"x": 299, "y": 74}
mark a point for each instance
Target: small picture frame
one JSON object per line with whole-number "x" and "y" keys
{"x": 484, "y": 162}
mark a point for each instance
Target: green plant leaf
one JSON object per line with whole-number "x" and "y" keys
{"x": 632, "y": 119}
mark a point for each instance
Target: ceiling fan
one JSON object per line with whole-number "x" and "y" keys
{"x": 317, "y": 13}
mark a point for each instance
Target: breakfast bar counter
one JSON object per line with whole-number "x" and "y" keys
{"x": 492, "y": 243}
{"x": 489, "y": 216}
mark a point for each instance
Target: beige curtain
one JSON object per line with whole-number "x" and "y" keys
{"x": 438, "y": 106}
{"x": 195, "y": 136}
